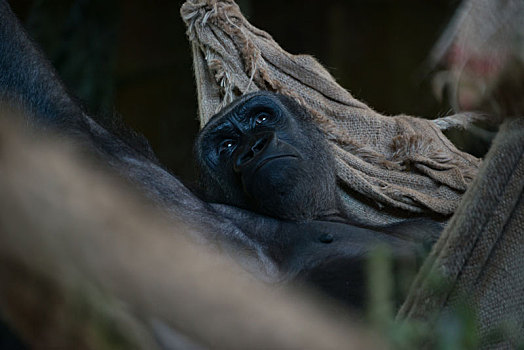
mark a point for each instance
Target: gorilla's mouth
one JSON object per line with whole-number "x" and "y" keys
{"x": 267, "y": 160}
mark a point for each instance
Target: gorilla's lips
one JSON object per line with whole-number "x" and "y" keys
{"x": 265, "y": 161}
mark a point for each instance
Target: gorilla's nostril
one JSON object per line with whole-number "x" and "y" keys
{"x": 247, "y": 156}
{"x": 259, "y": 144}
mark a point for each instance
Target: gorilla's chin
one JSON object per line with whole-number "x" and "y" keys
{"x": 281, "y": 186}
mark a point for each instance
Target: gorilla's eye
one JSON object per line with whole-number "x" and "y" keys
{"x": 226, "y": 146}
{"x": 261, "y": 118}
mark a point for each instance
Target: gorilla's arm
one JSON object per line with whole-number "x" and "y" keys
{"x": 331, "y": 256}
{"x": 30, "y": 83}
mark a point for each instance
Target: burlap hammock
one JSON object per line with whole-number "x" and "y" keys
{"x": 398, "y": 164}
{"x": 388, "y": 166}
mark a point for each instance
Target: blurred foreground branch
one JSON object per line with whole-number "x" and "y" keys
{"x": 84, "y": 263}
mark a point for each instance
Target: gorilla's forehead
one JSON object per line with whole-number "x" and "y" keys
{"x": 237, "y": 108}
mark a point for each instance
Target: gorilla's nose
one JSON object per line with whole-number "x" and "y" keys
{"x": 252, "y": 149}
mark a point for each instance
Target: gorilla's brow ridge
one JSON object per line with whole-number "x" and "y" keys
{"x": 238, "y": 116}
{"x": 238, "y": 108}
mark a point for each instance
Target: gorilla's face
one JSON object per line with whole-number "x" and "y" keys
{"x": 264, "y": 154}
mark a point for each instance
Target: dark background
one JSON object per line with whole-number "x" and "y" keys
{"x": 132, "y": 57}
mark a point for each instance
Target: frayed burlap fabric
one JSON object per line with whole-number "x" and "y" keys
{"x": 481, "y": 252}
{"x": 387, "y": 166}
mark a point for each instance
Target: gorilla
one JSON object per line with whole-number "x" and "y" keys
{"x": 268, "y": 193}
